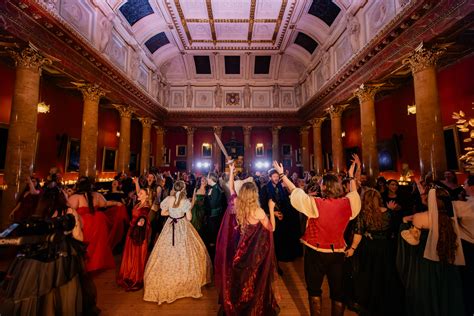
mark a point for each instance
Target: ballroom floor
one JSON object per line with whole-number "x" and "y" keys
{"x": 112, "y": 300}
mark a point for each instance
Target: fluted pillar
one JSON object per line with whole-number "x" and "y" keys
{"x": 190, "y": 147}
{"x": 21, "y": 142}
{"x": 247, "y": 147}
{"x": 160, "y": 145}
{"x": 216, "y": 151}
{"x": 431, "y": 147}
{"x": 304, "y": 145}
{"x": 146, "y": 144}
{"x": 366, "y": 96}
{"x": 124, "y": 140}
{"x": 335, "y": 112}
{"x": 91, "y": 94}
{"x": 316, "y": 123}
{"x": 276, "y": 143}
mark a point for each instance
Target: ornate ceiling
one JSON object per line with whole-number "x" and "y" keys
{"x": 226, "y": 55}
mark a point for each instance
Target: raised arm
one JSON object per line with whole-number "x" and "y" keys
{"x": 137, "y": 185}
{"x": 281, "y": 172}
{"x": 301, "y": 201}
{"x": 32, "y": 187}
{"x": 353, "y": 183}
{"x": 358, "y": 171}
{"x": 231, "y": 178}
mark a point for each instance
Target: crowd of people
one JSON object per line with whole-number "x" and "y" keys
{"x": 385, "y": 249}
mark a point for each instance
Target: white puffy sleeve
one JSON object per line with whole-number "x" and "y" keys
{"x": 354, "y": 199}
{"x": 304, "y": 203}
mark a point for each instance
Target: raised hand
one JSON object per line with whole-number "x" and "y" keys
{"x": 392, "y": 205}
{"x": 278, "y": 167}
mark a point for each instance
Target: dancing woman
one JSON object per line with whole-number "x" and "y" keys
{"x": 179, "y": 264}
{"x": 324, "y": 237}
{"x": 136, "y": 246}
{"x": 228, "y": 239}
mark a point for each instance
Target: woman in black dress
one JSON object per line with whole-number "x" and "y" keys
{"x": 378, "y": 289}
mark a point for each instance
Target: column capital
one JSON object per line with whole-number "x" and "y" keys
{"x": 190, "y": 130}
{"x": 124, "y": 110}
{"x": 90, "y": 91}
{"x": 366, "y": 92}
{"x": 335, "y": 110}
{"x": 247, "y": 129}
{"x": 30, "y": 58}
{"x": 304, "y": 130}
{"x": 424, "y": 57}
{"x": 146, "y": 121}
{"x": 217, "y": 129}
{"x": 275, "y": 129}
{"x": 317, "y": 121}
{"x": 159, "y": 130}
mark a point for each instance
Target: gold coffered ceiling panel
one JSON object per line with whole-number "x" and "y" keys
{"x": 245, "y": 24}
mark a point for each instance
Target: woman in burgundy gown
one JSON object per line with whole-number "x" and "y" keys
{"x": 246, "y": 277}
{"x": 136, "y": 246}
{"x": 27, "y": 200}
{"x": 95, "y": 225}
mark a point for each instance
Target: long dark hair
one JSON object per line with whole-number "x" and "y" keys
{"x": 84, "y": 187}
{"x": 52, "y": 200}
{"x": 447, "y": 240}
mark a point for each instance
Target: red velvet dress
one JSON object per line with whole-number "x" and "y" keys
{"x": 135, "y": 253}
{"x": 96, "y": 237}
{"x": 117, "y": 220}
{"x": 251, "y": 288}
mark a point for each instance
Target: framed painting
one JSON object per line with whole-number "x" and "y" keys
{"x": 73, "y": 154}
{"x": 387, "y": 155}
{"x": 287, "y": 163}
{"x": 134, "y": 161}
{"x": 206, "y": 150}
{"x": 286, "y": 150}
{"x": 453, "y": 147}
{"x": 180, "y": 150}
{"x": 259, "y": 150}
{"x": 181, "y": 165}
{"x": 109, "y": 159}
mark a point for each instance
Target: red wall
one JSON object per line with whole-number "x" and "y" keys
{"x": 109, "y": 125}
{"x": 7, "y": 83}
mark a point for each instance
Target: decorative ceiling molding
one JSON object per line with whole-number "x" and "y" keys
{"x": 182, "y": 27}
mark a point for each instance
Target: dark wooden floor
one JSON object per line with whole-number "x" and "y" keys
{"x": 113, "y": 300}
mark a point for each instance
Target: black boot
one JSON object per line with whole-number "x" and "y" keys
{"x": 315, "y": 305}
{"x": 337, "y": 308}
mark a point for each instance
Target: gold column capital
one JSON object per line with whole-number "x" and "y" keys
{"x": 217, "y": 129}
{"x": 276, "y": 129}
{"x": 90, "y": 91}
{"x": 317, "y": 121}
{"x": 30, "y": 58}
{"x": 190, "y": 130}
{"x": 146, "y": 121}
{"x": 247, "y": 130}
{"x": 304, "y": 130}
{"x": 424, "y": 57}
{"x": 160, "y": 130}
{"x": 336, "y": 110}
{"x": 124, "y": 110}
{"x": 366, "y": 92}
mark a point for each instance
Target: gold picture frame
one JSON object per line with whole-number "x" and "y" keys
{"x": 181, "y": 150}
{"x": 73, "y": 153}
{"x": 206, "y": 150}
{"x": 109, "y": 159}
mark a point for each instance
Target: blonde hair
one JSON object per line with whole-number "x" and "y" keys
{"x": 179, "y": 193}
{"x": 247, "y": 203}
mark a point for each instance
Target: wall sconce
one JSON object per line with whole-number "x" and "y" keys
{"x": 343, "y": 134}
{"x": 43, "y": 108}
{"x": 118, "y": 134}
{"x": 411, "y": 109}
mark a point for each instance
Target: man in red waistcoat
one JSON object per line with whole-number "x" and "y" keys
{"x": 324, "y": 237}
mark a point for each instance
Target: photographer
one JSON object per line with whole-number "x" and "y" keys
{"x": 48, "y": 275}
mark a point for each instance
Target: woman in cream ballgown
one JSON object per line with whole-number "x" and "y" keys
{"x": 179, "y": 264}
